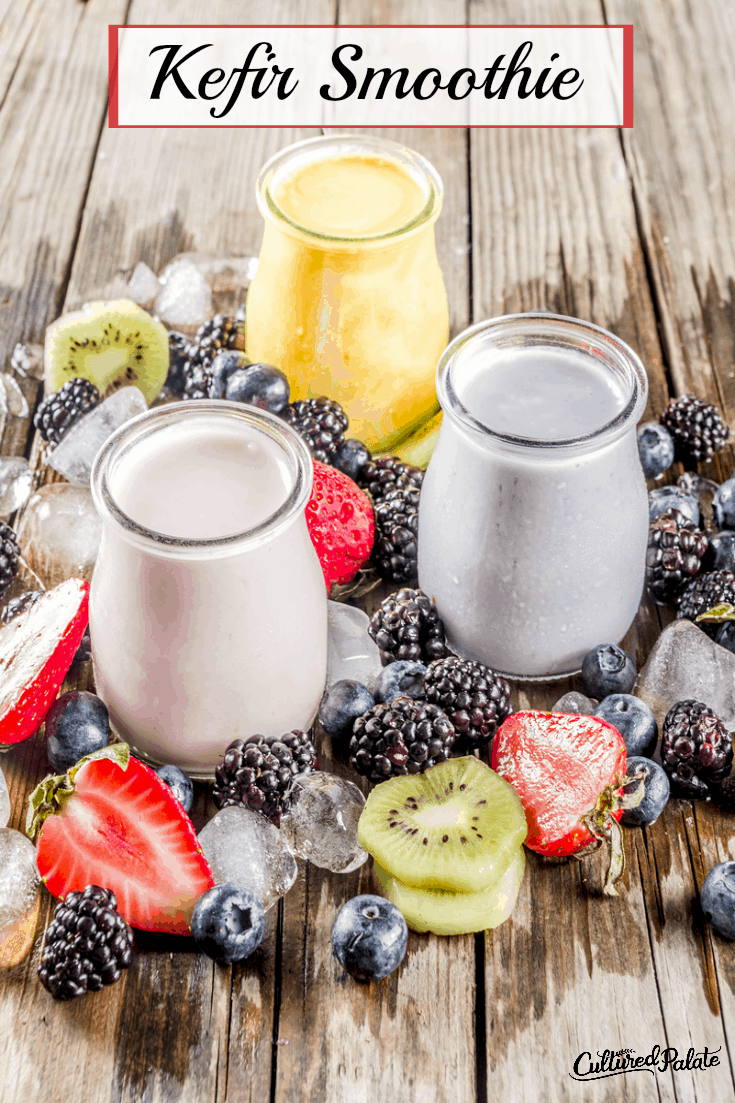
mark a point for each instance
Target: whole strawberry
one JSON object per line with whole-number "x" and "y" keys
{"x": 341, "y": 524}
{"x": 569, "y": 772}
{"x": 111, "y": 819}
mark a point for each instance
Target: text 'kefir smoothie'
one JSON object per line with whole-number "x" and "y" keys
{"x": 348, "y": 299}
{"x": 533, "y": 517}
{"x": 194, "y": 643}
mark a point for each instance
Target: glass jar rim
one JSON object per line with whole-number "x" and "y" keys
{"x": 127, "y": 436}
{"x": 559, "y": 331}
{"x": 313, "y": 149}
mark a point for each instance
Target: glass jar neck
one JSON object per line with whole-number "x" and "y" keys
{"x": 295, "y": 157}
{"x": 474, "y": 351}
{"x": 112, "y": 457}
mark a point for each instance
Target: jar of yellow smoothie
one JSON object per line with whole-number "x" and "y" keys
{"x": 348, "y": 299}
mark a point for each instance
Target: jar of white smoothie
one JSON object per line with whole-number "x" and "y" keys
{"x": 533, "y": 518}
{"x": 208, "y": 609}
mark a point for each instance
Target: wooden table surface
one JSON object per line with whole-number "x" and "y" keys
{"x": 633, "y": 230}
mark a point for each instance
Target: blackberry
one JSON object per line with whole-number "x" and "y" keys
{"x": 221, "y": 332}
{"x": 696, "y": 749}
{"x": 322, "y": 424}
{"x": 401, "y": 737}
{"x": 407, "y": 626}
{"x": 178, "y": 355}
{"x": 395, "y": 550}
{"x": 724, "y": 794}
{"x": 87, "y": 944}
{"x": 704, "y": 592}
{"x": 9, "y": 556}
{"x": 697, "y": 428}
{"x": 59, "y": 411}
{"x": 389, "y": 473}
{"x": 259, "y": 772}
{"x": 18, "y": 605}
{"x": 674, "y": 555}
{"x": 473, "y": 696}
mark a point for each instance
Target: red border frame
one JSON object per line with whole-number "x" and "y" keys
{"x": 627, "y": 29}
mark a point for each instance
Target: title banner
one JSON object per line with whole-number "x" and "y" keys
{"x": 353, "y": 76}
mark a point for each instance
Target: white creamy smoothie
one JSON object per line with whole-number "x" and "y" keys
{"x": 208, "y": 612}
{"x": 533, "y": 518}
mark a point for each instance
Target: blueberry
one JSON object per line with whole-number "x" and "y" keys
{"x": 228, "y": 923}
{"x": 656, "y": 795}
{"x": 76, "y": 725}
{"x": 723, "y": 505}
{"x": 224, "y": 364}
{"x": 718, "y": 898}
{"x": 260, "y": 385}
{"x": 667, "y": 496}
{"x": 180, "y": 783}
{"x": 402, "y": 677}
{"x": 655, "y": 448}
{"x": 369, "y": 937}
{"x": 342, "y": 704}
{"x": 726, "y": 635}
{"x": 720, "y": 555}
{"x": 633, "y": 719}
{"x": 351, "y": 458}
{"x": 605, "y": 670}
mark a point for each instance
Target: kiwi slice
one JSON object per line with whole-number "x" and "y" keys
{"x": 454, "y": 827}
{"x": 113, "y": 344}
{"x": 456, "y": 912}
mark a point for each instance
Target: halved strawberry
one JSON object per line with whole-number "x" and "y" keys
{"x": 36, "y": 651}
{"x": 111, "y": 821}
{"x": 341, "y": 524}
{"x": 569, "y": 772}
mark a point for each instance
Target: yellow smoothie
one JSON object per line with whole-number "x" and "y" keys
{"x": 348, "y": 299}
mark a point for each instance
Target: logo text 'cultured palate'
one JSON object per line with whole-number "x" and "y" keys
{"x": 370, "y": 76}
{"x": 616, "y": 1062}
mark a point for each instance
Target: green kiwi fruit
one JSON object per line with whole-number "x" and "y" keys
{"x": 456, "y": 912}
{"x": 455, "y": 827}
{"x": 113, "y": 344}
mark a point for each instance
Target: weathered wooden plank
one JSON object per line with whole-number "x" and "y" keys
{"x": 682, "y": 164}
{"x": 554, "y": 227}
{"x": 49, "y": 127}
{"x": 412, "y": 1035}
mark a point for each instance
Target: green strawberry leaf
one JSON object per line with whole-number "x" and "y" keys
{"x": 718, "y": 614}
{"x": 51, "y": 794}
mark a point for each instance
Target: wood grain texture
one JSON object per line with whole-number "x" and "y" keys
{"x": 412, "y": 1035}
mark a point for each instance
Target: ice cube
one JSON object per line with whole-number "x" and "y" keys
{"x": 322, "y": 826}
{"x": 576, "y": 703}
{"x": 703, "y": 491}
{"x": 59, "y": 533}
{"x": 74, "y": 455}
{"x": 244, "y": 847}
{"x": 186, "y": 297}
{"x": 350, "y": 651}
{"x": 19, "y": 896}
{"x": 144, "y": 285}
{"x": 12, "y": 399}
{"x": 15, "y": 483}
{"x": 4, "y": 801}
{"x": 27, "y": 360}
{"x": 686, "y": 664}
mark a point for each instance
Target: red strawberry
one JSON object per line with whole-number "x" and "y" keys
{"x": 569, "y": 772}
{"x": 36, "y": 651}
{"x": 111, "y": 821}
{"x": 341, "y": 524}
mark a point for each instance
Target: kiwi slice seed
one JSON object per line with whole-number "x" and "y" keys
{"x": 448, "y": 913}
{"x": 113, "y": 344}
{"x": 455, "y": 827}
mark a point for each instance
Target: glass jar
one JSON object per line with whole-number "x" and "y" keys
{"x": 348, "y": 299}
{"x": 200, "y": 634}
{"x": 533, "y": 518}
